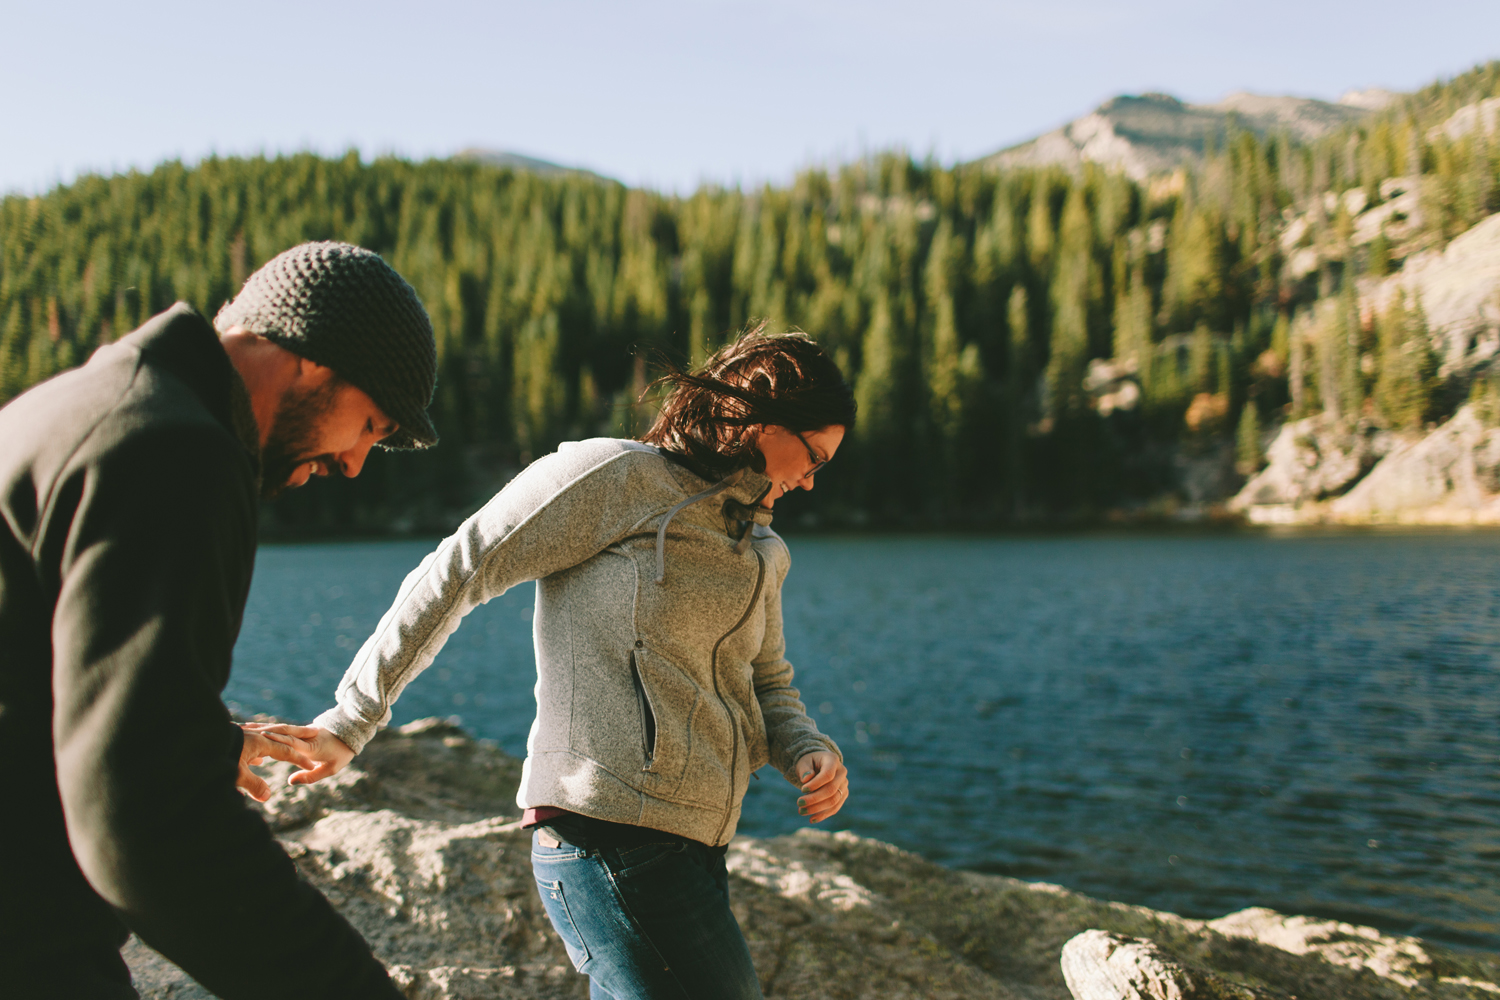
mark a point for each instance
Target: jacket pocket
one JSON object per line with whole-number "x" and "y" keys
{"x": 757, "y": 744}
{"x": 648, "y": 717}
{"x": 690, "y": 755}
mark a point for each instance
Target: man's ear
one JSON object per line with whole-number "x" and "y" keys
{"x": 311, "y": 375}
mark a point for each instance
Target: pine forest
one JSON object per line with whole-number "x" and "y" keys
{"x": 1028, "y": 346}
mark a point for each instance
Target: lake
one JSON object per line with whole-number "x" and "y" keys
{"x": 1191, "y": 723}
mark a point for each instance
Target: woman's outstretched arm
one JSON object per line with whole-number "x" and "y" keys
{"x": 560, "y": 511}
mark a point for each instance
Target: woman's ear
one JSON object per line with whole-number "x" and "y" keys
{"x": 752, "y": 438}
{"x": 769, "y": 430}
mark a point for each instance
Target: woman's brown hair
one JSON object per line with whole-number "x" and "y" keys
{"x": 784, "y": 380}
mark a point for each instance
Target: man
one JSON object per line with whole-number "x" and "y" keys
{"x": 128, "y": 510}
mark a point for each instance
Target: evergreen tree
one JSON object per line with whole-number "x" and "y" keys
{"x": 1407, "y": 366}
{"x": 1247, "y": 452}
{"x": 1017, "y": 378}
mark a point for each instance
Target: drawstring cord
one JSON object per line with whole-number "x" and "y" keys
{"x": 661, "y": 533}
{"x": 748, "y": 516}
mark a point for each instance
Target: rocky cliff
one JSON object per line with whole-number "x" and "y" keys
{"x": 1325, "y": 470}
{"x": 419, "y": 846}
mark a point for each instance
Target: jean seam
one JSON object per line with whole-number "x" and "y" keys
{"x": 641, "y": 930}
{"x": 673, "y": 849}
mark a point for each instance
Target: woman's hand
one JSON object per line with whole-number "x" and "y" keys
{"x": 319, "y": 753}
{"x": 825, "y": 785}
{"x": 255, "y": 750}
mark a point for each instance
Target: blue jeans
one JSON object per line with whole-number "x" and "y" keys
{"x": 647, "y": 921}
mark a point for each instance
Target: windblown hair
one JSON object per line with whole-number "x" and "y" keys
{"x": 786, "y": 380}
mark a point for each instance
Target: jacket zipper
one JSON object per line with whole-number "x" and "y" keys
{"x": 713, "y": 663}
{"x": 648, "y": 717}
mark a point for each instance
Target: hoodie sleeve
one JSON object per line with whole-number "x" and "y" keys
{"x": 563, "y": 509}
{"x": 790, "y": 733}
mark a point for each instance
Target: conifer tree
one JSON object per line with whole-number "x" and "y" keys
{"x": 1017, "y": 377}
{"x": 1248, "y": 455}
{"x": 1407, "y": 365}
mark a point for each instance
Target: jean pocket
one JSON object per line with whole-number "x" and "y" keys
{"x": 638, "y": 860}
{"x": 562, "y": 852}
{"x": 555, "y": 902}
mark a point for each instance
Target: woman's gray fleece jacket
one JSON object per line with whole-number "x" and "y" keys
{"x": 661, "y": 683}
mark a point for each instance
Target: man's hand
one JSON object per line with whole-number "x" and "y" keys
{"x": 256, "y": 749}
{"x": 320, "y": 754}
{"x": 825, "y": 785}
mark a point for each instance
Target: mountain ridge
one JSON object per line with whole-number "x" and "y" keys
{"x": 520, "y": 161}
{"x": 1152, "y": 133}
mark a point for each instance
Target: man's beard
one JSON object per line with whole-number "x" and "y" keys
{"x": 293, "y": 438}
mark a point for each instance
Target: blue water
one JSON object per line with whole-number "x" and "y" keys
{"x": 1196, "y": 724}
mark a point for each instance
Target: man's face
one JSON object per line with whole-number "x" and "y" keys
{"x": 319, "y": 429}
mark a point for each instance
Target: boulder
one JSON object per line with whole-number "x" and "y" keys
{"x": 1098, "y": 965}
{"x": 1311, "y": 460}
{"x": 1451, "y": 476}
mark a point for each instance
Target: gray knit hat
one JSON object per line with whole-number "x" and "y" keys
{"x": 344, "y": 307}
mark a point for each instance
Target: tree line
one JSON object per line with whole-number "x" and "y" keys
{"x": 1027, "y": 344}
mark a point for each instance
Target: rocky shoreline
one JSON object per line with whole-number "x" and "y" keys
{"x": 1324, "y": 472}
{"x": 419, "y": 846}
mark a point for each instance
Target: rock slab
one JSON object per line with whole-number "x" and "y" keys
{"x": 419, "y": 847}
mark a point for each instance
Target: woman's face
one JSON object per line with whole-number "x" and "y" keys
{"x": 792, "y": 458}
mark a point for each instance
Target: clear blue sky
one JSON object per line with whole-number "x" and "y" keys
{"x": 667, "y": 92}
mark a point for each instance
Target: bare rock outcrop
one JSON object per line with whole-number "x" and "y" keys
{"x": 419, "y": 847}
{"x": 1482, "y": 117}
{"x": 1309, "y": 461}
{"x": 1320, "y": 472}
{"x": 1150, "y": 134}
{"x": 1400, "y": 959}
{"x": 1451, "y": 476}
{"x": 1459, "y": 291}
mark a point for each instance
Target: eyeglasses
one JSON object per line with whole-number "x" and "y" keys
{"x": 817, "y": 463}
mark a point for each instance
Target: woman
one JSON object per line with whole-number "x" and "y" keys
{"x": 661, "y": 684}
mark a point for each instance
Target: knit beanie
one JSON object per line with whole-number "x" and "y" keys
{"x": 344, "y": 307}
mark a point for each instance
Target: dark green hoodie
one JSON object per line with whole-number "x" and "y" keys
{"x": 128, "y": 497}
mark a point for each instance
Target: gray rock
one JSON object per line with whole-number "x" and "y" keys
{"x": 1459, "y": 290}
{"x": 1450, "y": 476}
{"x": 1401, "y": 959}
{"x": 1481, "y": 116}
{"x": 1098, "y": 965}
{"x": 1312, "y": 460}
{"x": 1398, "y": 215}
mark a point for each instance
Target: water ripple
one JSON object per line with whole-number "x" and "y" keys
{"x": 1194, "y": 724}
